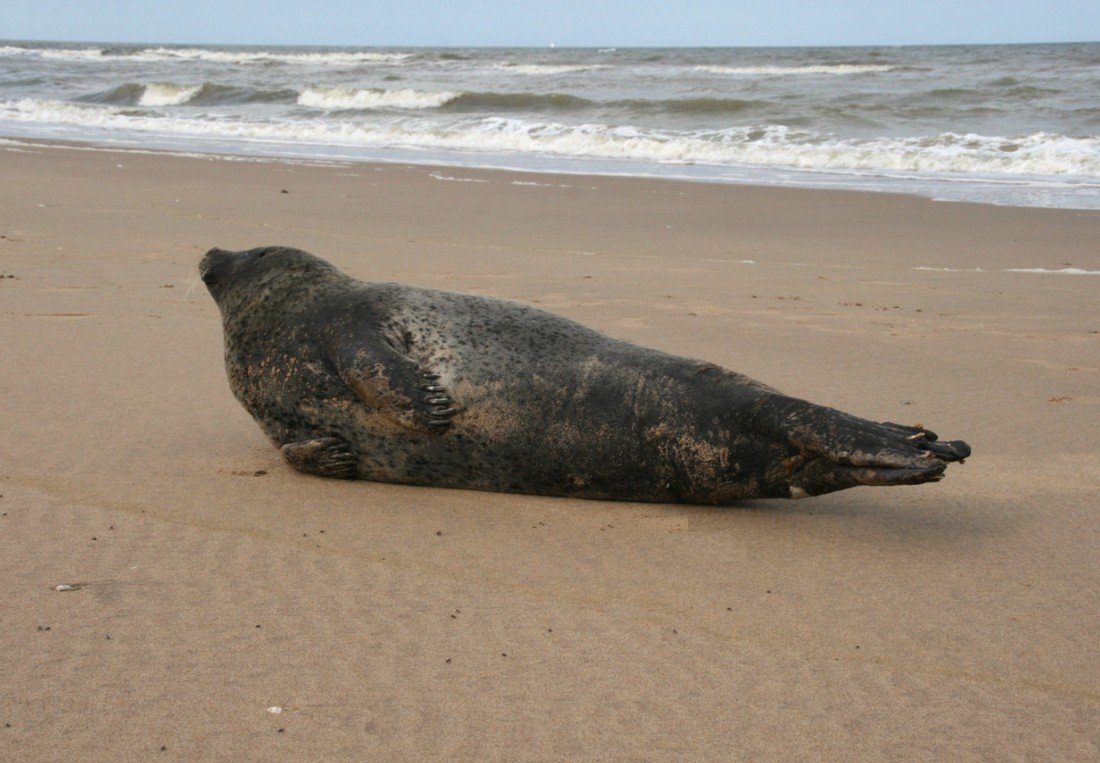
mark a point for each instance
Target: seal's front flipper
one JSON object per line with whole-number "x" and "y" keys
{"x": 395, "y": 384}
{"x": 324, "y": 457}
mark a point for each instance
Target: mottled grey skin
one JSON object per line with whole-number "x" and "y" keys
{"x": 388, "y": 382}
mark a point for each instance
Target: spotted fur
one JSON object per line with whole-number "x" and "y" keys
{"x": 389, "y": 382}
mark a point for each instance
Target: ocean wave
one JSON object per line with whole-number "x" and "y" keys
{"x": 770, "y": 145}
{"x": 517, "y": 102}
{"x": 73, "y": 54}
{"x": 691, "y": 105}
{"x": 1090, "y": 116}
{"x": 173, "y": 94}
{"x": 167, "y": 94}
{"x": 787, "y": 70}
{"x": 333, "y": 58}
{"x": 340, "y": 98}
{"x": 346, "y": 98}
{"x": 547, "y": 69}
{"x": 957, "y": 95}
{"x": 319, "y": 58}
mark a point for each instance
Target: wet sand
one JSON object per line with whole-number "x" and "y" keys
{"x": 954, "y": 621}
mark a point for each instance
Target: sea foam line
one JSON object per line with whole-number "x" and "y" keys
{"x": 789, "y": 70}
{"x": 453, "y": 179}
{"x": 332, "y": 58}
{"x": 546, "y": 69}
{"x": 950, "y": 270}
{"x": 1061, "y": 271}
{"x": 774, "y": 146}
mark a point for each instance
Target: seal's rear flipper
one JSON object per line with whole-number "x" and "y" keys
{"x": 324, "y": 457}
{"x": 832, "y": 450}
{"x": 823, "y": 476}
{"x": 395, "y": 384}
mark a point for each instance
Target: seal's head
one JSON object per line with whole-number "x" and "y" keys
{"x": 233, "y": 277}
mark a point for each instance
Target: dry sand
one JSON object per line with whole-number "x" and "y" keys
{"x": 954, "y": 621}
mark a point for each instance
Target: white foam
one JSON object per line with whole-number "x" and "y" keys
{"x": 75, "y": 54}
{"x": 333, "y": 58}
{"x": 334, "y": 98}
{"x": 758, "y": 71}
{"x": 452, "y": 179}
{"x": 167, "y": 94}
{"x": 542, "y": 185}
{"x": 1062, "y": 271}
{"x": 547, "y": 69}
{"x": 951, "y": 270}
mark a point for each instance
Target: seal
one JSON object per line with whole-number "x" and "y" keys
{"x": 388, "y": 382}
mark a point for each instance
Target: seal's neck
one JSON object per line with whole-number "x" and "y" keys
{"x": 277, "y": 292}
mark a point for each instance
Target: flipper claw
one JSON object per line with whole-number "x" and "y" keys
{"x": 324, "y": 457}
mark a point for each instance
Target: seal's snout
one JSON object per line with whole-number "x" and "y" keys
{"x": 214, "y": 265}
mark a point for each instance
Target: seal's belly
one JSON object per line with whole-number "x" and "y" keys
{"x": 545, "y": 438}
{"x": 588, "y": 425}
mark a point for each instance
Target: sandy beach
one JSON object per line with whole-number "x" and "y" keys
{"x": 213, "y": 585}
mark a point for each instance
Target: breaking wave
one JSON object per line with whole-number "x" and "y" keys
{"x": 349, "y": 98}
{"x": 314, "y": 58}
{"x": 173, "y": 94}
{"x": 787, "y": 70}
{"x": 548, "y": 69}
{"x": 771, "y": 145}
{"x": 338, "y": 98}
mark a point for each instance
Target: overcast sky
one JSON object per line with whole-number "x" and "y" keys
{"x": 562, "y": 22}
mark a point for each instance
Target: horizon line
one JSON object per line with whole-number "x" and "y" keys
{"x": 547, "y": 46}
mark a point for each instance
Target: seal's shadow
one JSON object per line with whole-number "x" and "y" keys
{"x": 950, "y": 521}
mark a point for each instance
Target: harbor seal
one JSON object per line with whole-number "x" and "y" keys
{"x": 388, "y": 382}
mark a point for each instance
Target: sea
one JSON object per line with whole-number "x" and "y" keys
{"x": 1012, "y": 125}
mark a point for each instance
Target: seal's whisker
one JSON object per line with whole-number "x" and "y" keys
{"x": 191, "y": 288}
